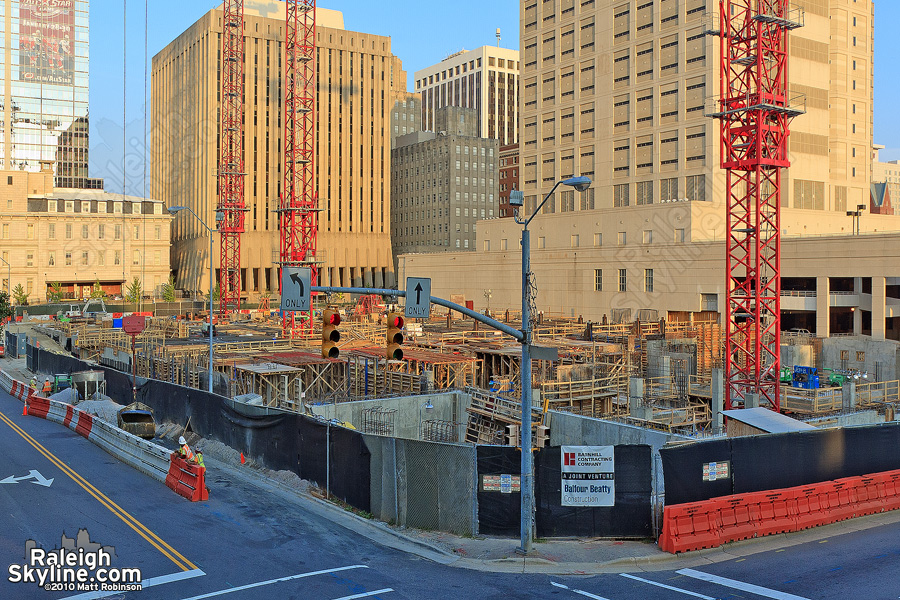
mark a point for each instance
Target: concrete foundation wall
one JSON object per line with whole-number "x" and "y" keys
{"x": 880, "y": 356}
{"x": 448, "y": 406}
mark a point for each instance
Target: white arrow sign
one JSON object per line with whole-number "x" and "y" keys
{"x": 38, "y": 479}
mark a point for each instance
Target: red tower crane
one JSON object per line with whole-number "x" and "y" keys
{"x": 298, "y": 209}
{"x": 231, "y": 155}
{"x": 755, "y": 110}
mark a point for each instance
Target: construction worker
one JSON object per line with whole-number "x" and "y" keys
{"x": 48, "y": 387}
{"x": 33, "y": 384}
{"x": 184, "y": 450}
{"x": 198, "y": 457}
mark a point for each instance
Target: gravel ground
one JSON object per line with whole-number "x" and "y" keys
{"x": 106, "y": 409}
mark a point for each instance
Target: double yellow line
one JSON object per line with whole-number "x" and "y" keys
{"x": 155, "y": 541}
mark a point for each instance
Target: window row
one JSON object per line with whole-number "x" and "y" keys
{"x": 622, "y": 280}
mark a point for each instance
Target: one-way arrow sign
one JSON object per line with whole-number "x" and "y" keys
{"x": 38, "y": 479}
{"x": 418, "y": 297}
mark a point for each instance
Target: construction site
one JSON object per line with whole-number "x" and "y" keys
{"x": 655, "y": 374}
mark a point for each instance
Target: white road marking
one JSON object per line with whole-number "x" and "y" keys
{"x": 668, "y": 587}
{"x": 740, "y": 585}
{"x": 146, "y": 583}
{"x": 366, "y": 595}
{"x": 271, "y": 581}
{"x": 582, "y": 592}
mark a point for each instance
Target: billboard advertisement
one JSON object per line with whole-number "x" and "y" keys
{"x": 47, "y": 41}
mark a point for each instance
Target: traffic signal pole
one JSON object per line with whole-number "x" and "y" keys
{"x": 499, "y": 326}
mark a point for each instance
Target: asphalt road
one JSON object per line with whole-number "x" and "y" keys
{"x": 250, "y": 542}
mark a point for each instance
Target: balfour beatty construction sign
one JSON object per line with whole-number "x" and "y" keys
{"x": 588, "y": 476}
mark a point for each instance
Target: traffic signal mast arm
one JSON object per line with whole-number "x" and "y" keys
{"x": 517, "y": 334}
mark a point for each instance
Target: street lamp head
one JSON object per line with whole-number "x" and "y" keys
{"x": 580, "y": 183}
{"x": 220, "y": 216}
{"x": 516, "y": 198}
{"x": 174, "y": 209}
{"x": 428, "y": 405}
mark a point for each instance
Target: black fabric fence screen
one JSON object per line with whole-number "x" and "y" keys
{"x": 767, "y": 462}
{"x": 281, "y": 442}
{"x": 499, "y": 513}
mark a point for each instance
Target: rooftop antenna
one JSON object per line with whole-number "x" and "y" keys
{"x": 498, "y": 37}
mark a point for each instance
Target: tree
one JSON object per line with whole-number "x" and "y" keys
{"x": 6, "y": 309}
{"x": 216, "y": 292}
{"x": 97, "y": 290}
{"x": 20, "y": 295}
{"x": 134, "y": 291}
{"x": 169, "y": 290}
{"x": 55, "y": 294}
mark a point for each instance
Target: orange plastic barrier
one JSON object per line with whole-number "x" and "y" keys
{"x": 713, "y": 522}
{"x": 737, "y": 519}
{"x": 775, "y": 510}
{"x": 187, "y": 479}
{"x": 811, "y": 506}
{"x": 690, "y": 527}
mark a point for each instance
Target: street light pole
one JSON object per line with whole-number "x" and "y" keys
{"x": 173, "y": 210}
{"x": 527, "y": 475}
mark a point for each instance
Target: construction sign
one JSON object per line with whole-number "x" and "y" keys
{"x": 588, "y": 476}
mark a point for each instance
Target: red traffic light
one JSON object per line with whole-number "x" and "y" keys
{"x": 332, "y": 317}
{"x": 395, "y": 320}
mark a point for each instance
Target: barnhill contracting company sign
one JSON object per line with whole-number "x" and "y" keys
{"x": 588, "y": 476}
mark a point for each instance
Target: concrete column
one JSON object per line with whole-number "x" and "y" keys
{"x": 823, "y": 321}
{"x": 379, "y": 278}
{"x": 367, "y": 277}
{"x": 857, "y": 321}
{"x": 848, "y": 395}
{"x": 879, "y": 297}
{"x": 717, "y": 389}
{"x": 635, "y": 393}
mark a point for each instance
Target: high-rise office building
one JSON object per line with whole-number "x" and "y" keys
{"x": 619, "y": 91}
{"x": 486, "y": 79}
{"x": 358, "y": 80}
{"x": 406, "y": 116}
{"x": 442, "y": 184}
{"x": 44, "y": 86}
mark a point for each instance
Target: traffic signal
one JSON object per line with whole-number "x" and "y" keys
{"x": 330, "y": 334}
{"x": 394, "y": 336}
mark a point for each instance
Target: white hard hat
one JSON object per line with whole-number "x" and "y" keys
{"x": 182, "y": 441}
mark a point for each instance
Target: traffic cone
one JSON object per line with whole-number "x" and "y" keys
{"x": 242, "y": 458}
{"x": 25, "y": 410}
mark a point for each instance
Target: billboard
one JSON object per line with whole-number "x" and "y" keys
{"x": 47, "y": 41}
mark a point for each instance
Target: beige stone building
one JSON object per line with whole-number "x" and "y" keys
{"x": 618, "y": 91}
{"x": 358, "y": 81}
{"x": 486, "y": 79}
{"x": 76, "y": 238}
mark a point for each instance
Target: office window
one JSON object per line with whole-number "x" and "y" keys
{"x": 118, "y": 232}
{"x": 68, "y": 258}
{"x": 85, "y": 206}
{"x": 29, "y": 231}
{"x": 29, "y": 259}
{"x": 598, "y": 280}
{"x": 574, "y": 241}
{"x": 51, "y": 259}
{"x": 623, "y": 238}
{"x": 117, "y": 258}
{"x": 137, "y": 232}
{"x": 542, "y": 242}
{"x": 158, "y": 231}
{"x": 709, "y": 302}
{"x": 598, "y": 239}
{"x": 101, "y": 231}
{"x": 51, "y": 230}
{"x": 84, "y": 258}
{"x": 84, "y": 232}
{"x": 6, "y": 231}
{"x": 648, "y": 236}
{"x": 52, "y": 206}
{"x": 70, "y": 206}
{"x": 117, "y": 208}
{"x": 648, "y": 280}
{"x": 101, "y": 207}
{"x": 101, "y": 258}
{"x": 623, "y": 280}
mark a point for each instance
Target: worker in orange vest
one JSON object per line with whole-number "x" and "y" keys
{"x": 184, "y": 451}
{"x": 47, "y": 387}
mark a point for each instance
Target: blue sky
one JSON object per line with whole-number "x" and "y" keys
{"x": 421, "y": 36}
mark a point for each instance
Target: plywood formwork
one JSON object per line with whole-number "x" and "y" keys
{"x": 449, "y": 370}
{"x": 279, "y": 385}
{"x": 490, "y": 415}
